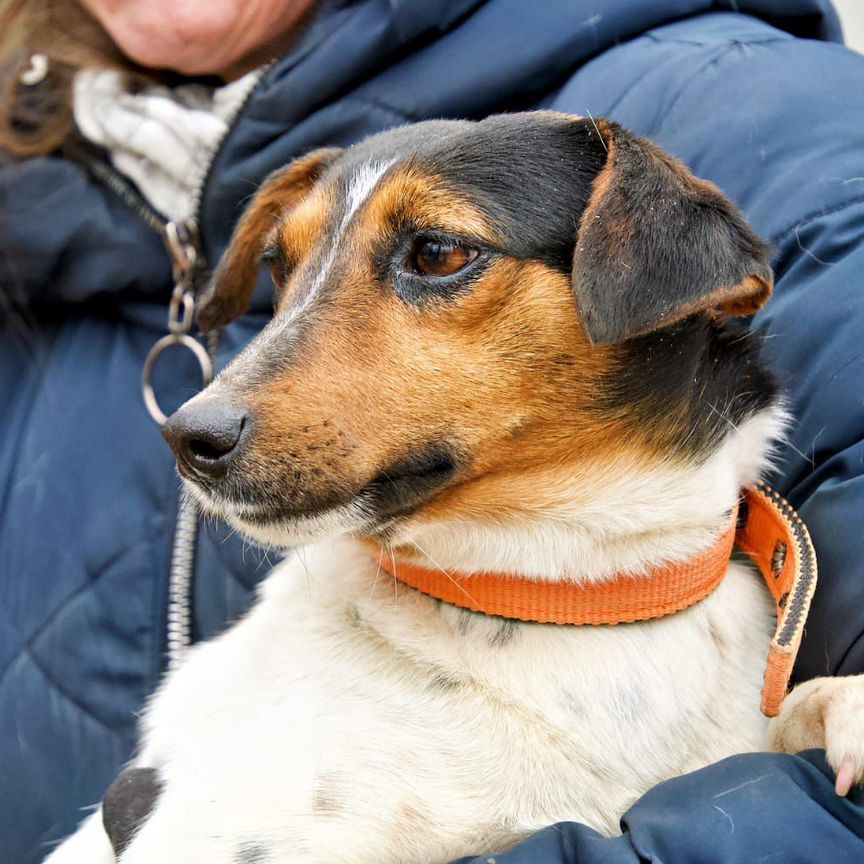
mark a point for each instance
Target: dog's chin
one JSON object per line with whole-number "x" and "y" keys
{"x": 273, "y": 530}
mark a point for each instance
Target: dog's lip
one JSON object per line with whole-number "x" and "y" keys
{"x": 433, "y": 464}
{"x": 394, "y": 492}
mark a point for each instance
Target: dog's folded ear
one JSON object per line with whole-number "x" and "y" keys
{"x": 233, "y": 282}
{"x": 656, "y": 244}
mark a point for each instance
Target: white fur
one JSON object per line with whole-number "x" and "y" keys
{"x": 360, "y": 186}
{"x": 347, "y": 718}
{"x": 363, "y": 181}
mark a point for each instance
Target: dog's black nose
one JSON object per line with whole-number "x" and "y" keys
{"x": 207, "y": 436}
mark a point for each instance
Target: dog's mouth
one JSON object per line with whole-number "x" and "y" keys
{"x": 410, "y": 482}
{"x": 280, "y": 508}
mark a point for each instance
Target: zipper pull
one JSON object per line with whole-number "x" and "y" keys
{"x": 183, "y": 244}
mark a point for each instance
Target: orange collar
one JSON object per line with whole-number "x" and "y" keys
{"x": 766, "y": 528}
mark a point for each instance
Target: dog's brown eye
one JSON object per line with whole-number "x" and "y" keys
{"x": 441, "y": 257}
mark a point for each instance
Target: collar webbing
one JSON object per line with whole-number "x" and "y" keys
{"x": 765, "y": 527}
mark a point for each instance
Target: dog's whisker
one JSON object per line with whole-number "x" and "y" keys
{"x": 597, "y": 130}
{"x": 375, "y": 580}
{"x": 395, "y": 580}
{"x": 301, "y": 557}
{"x": 448, "y": 575}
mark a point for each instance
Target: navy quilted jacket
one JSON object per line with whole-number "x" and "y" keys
{"x": 750, "y": 94}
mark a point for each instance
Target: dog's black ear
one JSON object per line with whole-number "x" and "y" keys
{"x": 233, "y": 282}
{"x": 656, "y": 244}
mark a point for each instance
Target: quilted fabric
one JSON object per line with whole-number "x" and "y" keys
{"x": 87, "y": 487}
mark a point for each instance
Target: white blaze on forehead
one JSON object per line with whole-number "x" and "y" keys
{"x": 360, "y": 186}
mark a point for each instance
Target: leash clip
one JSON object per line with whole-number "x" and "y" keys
{"x": 181, "y": 238}
{"x": 181, "y": 311}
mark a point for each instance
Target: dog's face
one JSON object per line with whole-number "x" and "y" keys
{"x": 466, "y": 313}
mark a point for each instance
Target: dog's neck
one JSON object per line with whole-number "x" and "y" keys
{"x": 632, "y": 520}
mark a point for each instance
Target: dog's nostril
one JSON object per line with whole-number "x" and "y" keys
{"x": 207, "y": 449}
{"x": 219, "y": 441}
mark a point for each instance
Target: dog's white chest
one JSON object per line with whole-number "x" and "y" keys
{"x": 342, "y": 702}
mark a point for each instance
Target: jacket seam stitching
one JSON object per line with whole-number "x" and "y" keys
{"x": 27, "y": 644}
{"x": 781, "y": 235}
{"x": 26, "y": 651}
{"x": 726, "y": 43}
{"x": 715, "y": 56}
{"x": 377, "y": 103}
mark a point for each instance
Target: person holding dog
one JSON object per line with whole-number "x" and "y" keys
{"x": 132, "y": 136}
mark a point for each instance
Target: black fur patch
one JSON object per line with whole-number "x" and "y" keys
{"x": 504, "y": 633}
{"x": 396, "y": 491}
{"x": 127, "y": 804}
{"x": 408, "y": 483}
{"x": 531, "y": 174}
{"x": 692, "y": 382}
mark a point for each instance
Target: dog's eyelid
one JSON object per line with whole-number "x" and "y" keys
{"x": 447, "y": 237}
{"x": 272, "y": 254}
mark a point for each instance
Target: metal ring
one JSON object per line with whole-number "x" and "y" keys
{"x": 186, "y": 341}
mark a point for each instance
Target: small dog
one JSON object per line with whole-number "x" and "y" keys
{"x": 498, "y": 347}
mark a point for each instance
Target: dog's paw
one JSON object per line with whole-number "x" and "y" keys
{"x": 826, "y": 713}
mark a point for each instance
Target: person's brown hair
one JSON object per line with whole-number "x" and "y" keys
{"x": 35, "y": 119}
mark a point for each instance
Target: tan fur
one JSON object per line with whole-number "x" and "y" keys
{"x": 430, "y": 203}
{"x": 520, "y": 383}
{"x": 301, "y": 229}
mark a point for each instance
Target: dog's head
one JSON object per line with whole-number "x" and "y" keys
{"x": 470, "y": 319}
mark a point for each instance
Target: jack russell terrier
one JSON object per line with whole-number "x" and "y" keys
{"x": 504, "y": 417}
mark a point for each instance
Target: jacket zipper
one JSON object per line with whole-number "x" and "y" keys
{"x": 178, "y": 629}
{"x": 182, "y": 240}
{"x": 183, "y": 243}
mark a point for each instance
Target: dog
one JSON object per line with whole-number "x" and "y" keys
{"x": 499, "y": 347}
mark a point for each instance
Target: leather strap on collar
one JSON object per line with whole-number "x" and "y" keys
{"x": 765, "y": 527}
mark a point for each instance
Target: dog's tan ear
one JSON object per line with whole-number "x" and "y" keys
{"x": 233, "y": 282}
{"x": 656, "y": 244}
